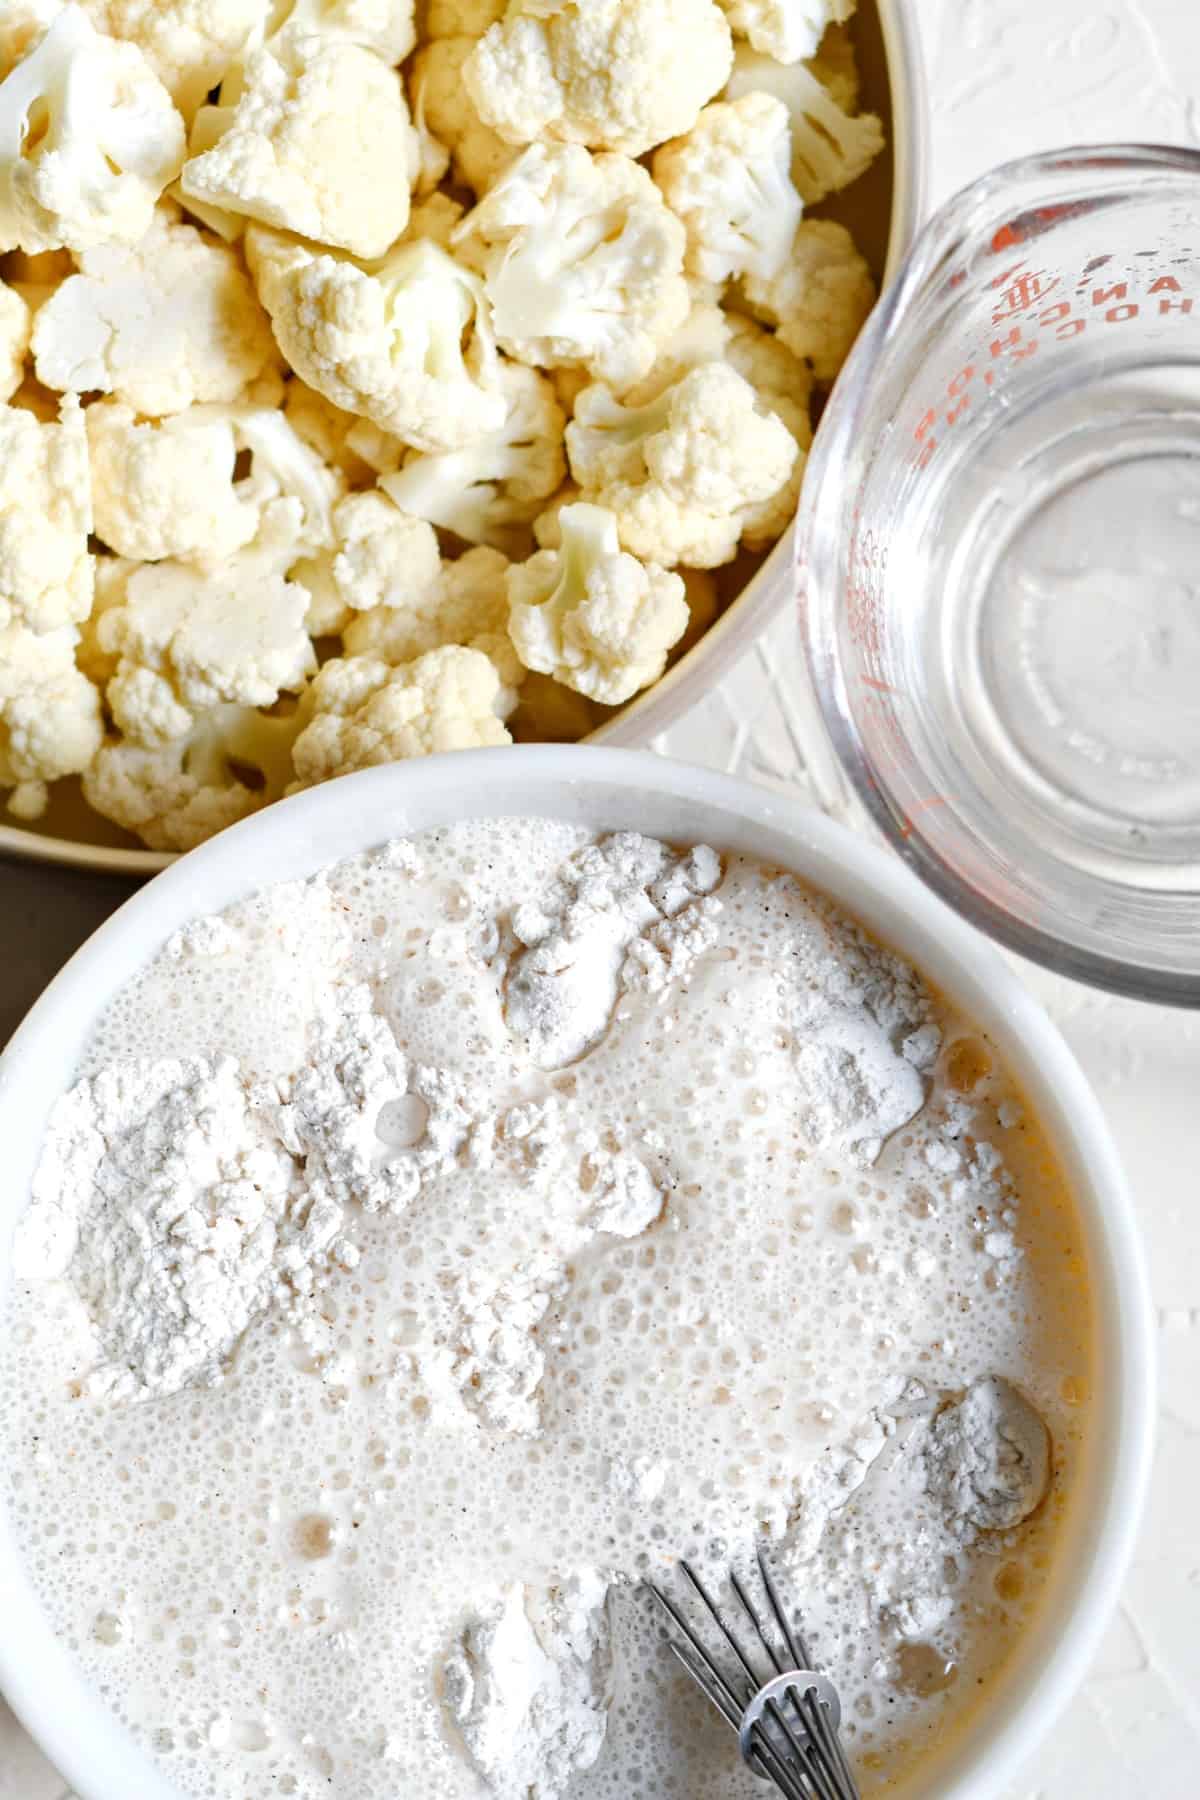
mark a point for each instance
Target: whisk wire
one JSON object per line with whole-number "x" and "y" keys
{"x": 715, "y": 1610}
{"x": 787, "y": 1718}
{"x": 797, "y": 1648}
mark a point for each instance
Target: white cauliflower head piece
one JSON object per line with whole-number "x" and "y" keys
{"x": 361, "y": 711}
{"x": 406, "y": 342}
{"x": 170, "y": 322}
{"x": 830, "y": 147}
{"x": 50, "y": 723}
{"x": 166, "y": 489}
{"x": 591, "y": 615}
{"x": 583, "y": 262}
{"x": 729, "y": 181}
{"x": 384, "y": 26}
{"x": 479, "y": 154}
{"x": 170, "y": 488}
{"x": 782, "y": 382}
{"x": 820, "y": 298}
{"x": 293, "y": 489}
{"x": 188, "y": 43}
{"x": 89, "y": 139}
{"x": 786, "y": 29}
{"x": 45, "y": 519}
{"x": 681, "y": 472}
{"x": 186, "y": 640}
{"x": 177, "y": 794}
{"x": 612, "y": 74}
{"x": 466, "y": 604}
{"x": 488, "y": 491}
{"x": 380, "y": 557}
{"x": 318, "y": 143}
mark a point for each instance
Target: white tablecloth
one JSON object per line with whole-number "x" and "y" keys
{"x": 1006, "y": 77}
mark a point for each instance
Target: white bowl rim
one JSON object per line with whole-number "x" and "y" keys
{"x": 769, "y": 588}
{"x": 611, "y": 788}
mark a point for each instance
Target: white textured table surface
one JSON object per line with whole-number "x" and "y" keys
{"x": 1009, "y": 76}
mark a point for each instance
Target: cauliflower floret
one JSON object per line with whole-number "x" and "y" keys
{"x": 88, "y": 141}
{"x": 179, "y": 793}
{"x": 728, "y": 181}
{"x": 361, "y": 711}
{"x": 168, "y": 323}
{"x": 830, "y": 147}
{"x": 681, "y": 472}
{"x": 326, "y": 429}
{"x": 704, "y": 337}
{"x": 287, "y": 481}
{"x": 186, "y": 639}
{"x": 167, "y": 489}
{"x": 315, "y": 122}
{"x": 171, "y": 490}
{"x": 835, "y": 66}
{"x": 784, "y": 384}
{"x": 188, "y": 43}
{"x": 498, "y": 484}
{"x": 781, "y": 381}
{"x": 613, "y": 74}
{"x": 786, "y": 29}
{"x": 583, "y": 261}
{"x": 15, "y": 325}
{"x": 384, "y": 26}
{"x": 479, "y": 154}
{"x": 820, "y": 298}
{"x": 713, "y": 335}
{"x": 45, "y": 518}
{"x": 380, "y": 556}
{"x": 50, "y": 722}
{"x": 407, "y": 343}
{"x": 465, "y": 605}
{"x": 111, "y": 575}
{"x": 590, "y": 614}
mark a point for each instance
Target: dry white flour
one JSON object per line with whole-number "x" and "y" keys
{"x": 171, "y": 1205}
{"x": 428, "y": 1251}
{"x": 528, "y": 1686}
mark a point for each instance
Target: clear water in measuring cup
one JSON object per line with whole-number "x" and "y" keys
{"x": 1000, "y": 564}
{"x": 1055, "y": 546}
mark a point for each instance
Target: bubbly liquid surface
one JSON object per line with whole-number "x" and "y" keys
{"x": 265, "y": 1578}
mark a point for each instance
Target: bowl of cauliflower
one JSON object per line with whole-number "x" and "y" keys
{"x": 373, "y": 384}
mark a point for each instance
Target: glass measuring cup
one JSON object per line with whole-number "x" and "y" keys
{"x": 999, "y": 565}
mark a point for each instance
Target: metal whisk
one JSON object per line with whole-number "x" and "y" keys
{"x": 785, "y": 1713}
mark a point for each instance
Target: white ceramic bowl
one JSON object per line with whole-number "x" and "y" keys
{"x": 893, "y": 72}
{"x": 609, "y": 789}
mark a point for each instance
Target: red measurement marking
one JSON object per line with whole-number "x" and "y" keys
{"x": 907, "y": 829}
{"x": 1025, "y": 292}
{"x": 881, "y": 687}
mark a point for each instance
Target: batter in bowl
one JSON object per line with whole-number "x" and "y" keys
{"x": 428, "y": 1251}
